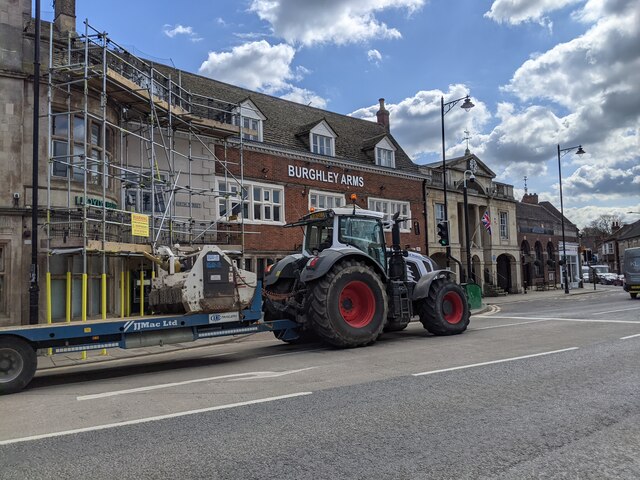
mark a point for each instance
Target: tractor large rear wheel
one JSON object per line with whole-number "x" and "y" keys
{"x": 445, "y": 311}
{"x": 348, "y": 306}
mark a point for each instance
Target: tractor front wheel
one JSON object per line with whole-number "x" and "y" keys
{"x": 445, "y": 311}
{"x": 348, "y": 306}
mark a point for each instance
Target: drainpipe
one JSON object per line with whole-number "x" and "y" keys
{"x": 426, "y": 217}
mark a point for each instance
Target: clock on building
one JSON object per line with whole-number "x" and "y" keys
{"x": 473, "y": 165}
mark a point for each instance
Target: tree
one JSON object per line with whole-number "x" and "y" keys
{"x": 601, "y": 227}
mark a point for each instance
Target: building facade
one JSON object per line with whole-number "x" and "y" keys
{"x": 134, "y": 155}
{"x": 494, "y": 251}
{"x": 541, "y": 247}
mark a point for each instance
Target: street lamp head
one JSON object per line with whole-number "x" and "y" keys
{"x": 580, "y": 150}
{"x": 468, "y": 104}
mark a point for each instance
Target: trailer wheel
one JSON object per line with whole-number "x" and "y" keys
{"x": 17, "y": 364}
{"x": 348, "y": 306}
{"x": 445, "y": 310}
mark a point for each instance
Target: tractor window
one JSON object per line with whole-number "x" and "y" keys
{"x": 366, "y": 235}
{"x": 318, "y": 236}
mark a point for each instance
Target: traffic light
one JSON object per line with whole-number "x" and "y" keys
{"x": 443, "y": 233}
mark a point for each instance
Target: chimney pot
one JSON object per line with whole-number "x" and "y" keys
{"x": 383, "y": 115}
{"x": 65, "y": 15}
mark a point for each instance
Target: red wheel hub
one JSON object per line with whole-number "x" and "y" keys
{"x": 452, "y": 308}
{"x": 357, "y": 304}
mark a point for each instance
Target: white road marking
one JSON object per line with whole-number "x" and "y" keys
{"x": 234, "y": 376}
{"x": 293, "y": 353}
{"x": 558, "y": 319}
{"x": 492, "y": 362}
{"x": 507, "y": 325}
{"x": 630, "y": 336}
{"x": 261, "y": 375}
{"x": 150, "y": 419}
{"x": 616, "y": 311}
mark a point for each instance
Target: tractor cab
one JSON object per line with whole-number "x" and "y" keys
{"x": 344, "y": 228}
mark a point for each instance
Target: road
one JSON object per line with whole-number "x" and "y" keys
{"x": 540, "y": 387}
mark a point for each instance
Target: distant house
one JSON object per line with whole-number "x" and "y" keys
{"x": 611, "y": 250}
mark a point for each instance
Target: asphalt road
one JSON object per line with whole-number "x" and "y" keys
{"x": 534, "y": 389}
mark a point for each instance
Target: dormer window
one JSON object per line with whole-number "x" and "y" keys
{"x": 322, "y": 139}
{"x": 252, "y": 121}
{"x": 385, "y": 154}
{"x": 322, "y": 145}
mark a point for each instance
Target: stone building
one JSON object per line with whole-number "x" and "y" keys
{"x": 495, "y": 261}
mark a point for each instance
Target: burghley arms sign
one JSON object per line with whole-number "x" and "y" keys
{"x": 327, "y": 176}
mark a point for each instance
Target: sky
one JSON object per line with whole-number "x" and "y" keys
{"x": 541, "y": 73}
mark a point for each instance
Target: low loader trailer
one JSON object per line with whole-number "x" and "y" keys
{"x": 203, "y": 288}
{"x": 345, "y": 288}
{"x": 18, "y": 345}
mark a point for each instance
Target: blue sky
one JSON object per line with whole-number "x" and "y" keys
{"x": 541, "y": 72}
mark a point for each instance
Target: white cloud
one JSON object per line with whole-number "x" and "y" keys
{"x": 262, "y": 67}
{"x": 374, "y": 56}
{"x": 594, "y": 77}
{"x": 415, "y": 121}
{"x": 330, "y": 21}
{"x": 172, "y": 31}
{"x": 583, "y": 216}
{"x": 304, "y": 96}
{"x": 515, "y": 12}
{"x": 254, "y": 65}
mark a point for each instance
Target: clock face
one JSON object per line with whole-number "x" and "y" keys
{"x": 473, "y": 165}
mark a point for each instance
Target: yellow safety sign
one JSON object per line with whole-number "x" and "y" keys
{"x": 139, "y": 225}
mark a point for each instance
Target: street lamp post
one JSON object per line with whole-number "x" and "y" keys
{"x": 579, "y": 151}
{"x": 466, "y": 219}
{"x": 467, "y": 105}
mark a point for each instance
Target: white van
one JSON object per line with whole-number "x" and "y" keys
{"x": 590, "y": 272}
{"x": 631, "y": 271}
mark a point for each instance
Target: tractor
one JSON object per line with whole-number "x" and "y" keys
{"x": 347, "y": 287}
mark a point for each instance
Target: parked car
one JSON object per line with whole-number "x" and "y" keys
{"x": 609, "y": 279}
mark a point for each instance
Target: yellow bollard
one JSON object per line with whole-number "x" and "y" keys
{"x": 127, "y": 293}
{"x": 142, "y": 293}
{"x": 84, "y": 306}
{"x": 48, "y": 294}
{"x": 122, "y": 294}
{"x": 104, "y": 304}
{"x": 68, "y": 294}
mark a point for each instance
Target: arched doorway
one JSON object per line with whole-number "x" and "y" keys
{"x": 505, "y": 265}
{"x": 527, "y": 262}
{"x": 476, "y": 269}
{"x": 551, "y": 263}
{"x": 539, "y": 261}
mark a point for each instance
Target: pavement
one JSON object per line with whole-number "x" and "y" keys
{"x": 47, "y": 361}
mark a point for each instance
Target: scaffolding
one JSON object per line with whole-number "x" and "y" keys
{"x": 123, "y": 141}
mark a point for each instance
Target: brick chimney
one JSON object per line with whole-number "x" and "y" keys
{"x": 65, "y": 15}
{"x": 615, "y": 227}
{"x": 383, "y": 115}
{"x": 531, "y": 198}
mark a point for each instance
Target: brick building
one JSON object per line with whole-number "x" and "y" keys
{"x": 541, "y": 248}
